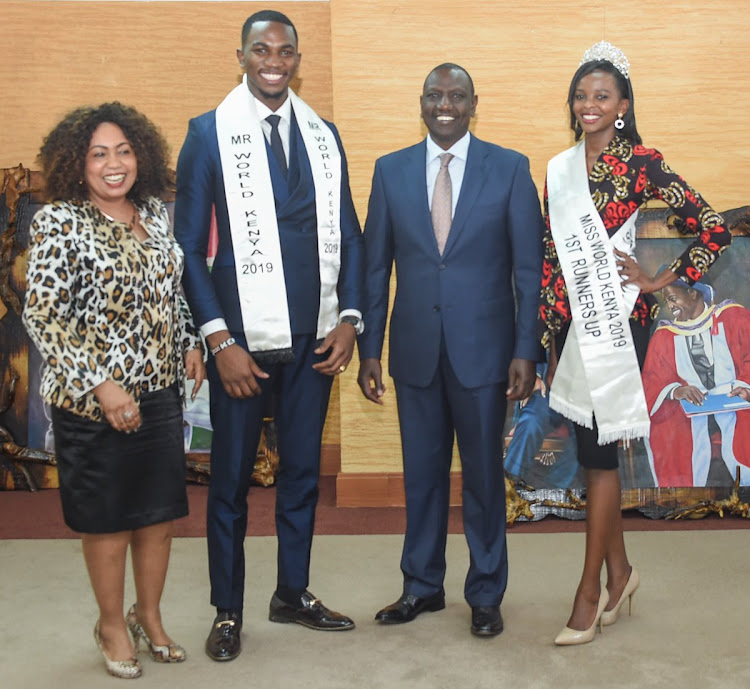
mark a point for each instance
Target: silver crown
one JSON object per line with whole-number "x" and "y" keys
{"x": 606, "y": 51}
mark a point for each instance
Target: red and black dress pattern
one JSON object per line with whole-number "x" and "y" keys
{"x": 625, "y": 177}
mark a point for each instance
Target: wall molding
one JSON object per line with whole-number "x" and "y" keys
{"x": 382, "y": 489}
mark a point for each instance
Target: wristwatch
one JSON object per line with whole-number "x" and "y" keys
{"x": 358, "y": 323}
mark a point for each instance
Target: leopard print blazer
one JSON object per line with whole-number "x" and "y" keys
{"x": 88, "y": 308}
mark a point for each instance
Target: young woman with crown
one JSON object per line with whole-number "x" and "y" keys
{"x": 597, "y": 305}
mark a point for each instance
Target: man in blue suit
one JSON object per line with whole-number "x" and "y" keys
{"x": 280, "y": 309}
{"x": 460, "y": 217}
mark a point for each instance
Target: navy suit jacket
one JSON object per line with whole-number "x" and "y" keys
{"x": 214, "y": 294}
{"x": 466, "y": 296}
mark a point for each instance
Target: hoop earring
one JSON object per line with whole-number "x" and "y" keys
{"x": 619, "y": 122}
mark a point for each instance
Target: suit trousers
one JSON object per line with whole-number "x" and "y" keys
{"x": 428, "y": 418}
{"x": 300, "y": 397}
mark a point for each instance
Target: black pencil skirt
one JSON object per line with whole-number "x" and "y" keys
{"x": 590, "y": 454}
{"x": 112, "y": 481}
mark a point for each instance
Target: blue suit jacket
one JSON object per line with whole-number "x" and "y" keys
{"x": 200, "y": 185}
{"x": 465, "y": 296}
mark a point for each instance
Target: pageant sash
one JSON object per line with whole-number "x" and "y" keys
{"x": 598, "y": 371}
{"x": 252, "y": 217}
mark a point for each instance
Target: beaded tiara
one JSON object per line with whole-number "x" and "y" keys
{"x": 606, "y": 51}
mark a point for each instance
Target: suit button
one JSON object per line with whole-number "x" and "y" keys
{"x": 442, "y": 266}
{"x": 436, "y": 308}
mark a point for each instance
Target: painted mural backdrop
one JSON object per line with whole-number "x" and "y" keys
{"x": 696, "y": 379}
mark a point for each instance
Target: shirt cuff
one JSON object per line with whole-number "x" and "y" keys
{"x": 671, "y": 389}
{"x": 360, "y": 328}
{"x": 213, "y": 326}
{"x": 350, "y": 312}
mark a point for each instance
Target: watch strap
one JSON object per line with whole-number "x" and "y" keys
{"x": 354, "y": 321}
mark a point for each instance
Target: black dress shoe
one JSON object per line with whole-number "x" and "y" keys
{"x": 310, "y": 612}
{"x": 486, "y": 621}
{"x": 406, "y": 608}
{"x": 223, "y": 643}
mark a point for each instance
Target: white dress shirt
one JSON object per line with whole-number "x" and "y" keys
{"x": 456, "y": 167}
{"x": 708, "y": 346}
{"x": 285, "y": 123}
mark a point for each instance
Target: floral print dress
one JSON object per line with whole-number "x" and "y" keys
{"x": 624, "y": 177}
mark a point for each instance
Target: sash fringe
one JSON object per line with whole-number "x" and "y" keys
{"x": 575, "y": 414}
{"x": 581, "y": 418}
{"x": 624, "y": 434}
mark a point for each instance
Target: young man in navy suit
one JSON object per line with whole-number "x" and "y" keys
{"x": 465, "y": 232}
{"x": 280, "y": 309}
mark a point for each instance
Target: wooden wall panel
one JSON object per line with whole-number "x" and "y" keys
{"x": 691, "y": 95}
{"x": 172, "y": 60}
{"x": 364, "y": 62}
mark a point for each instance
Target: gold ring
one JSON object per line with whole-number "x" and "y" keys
{"x": 342, "y": 368}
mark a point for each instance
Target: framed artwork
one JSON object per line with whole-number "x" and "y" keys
{"x": 696, "y": 451}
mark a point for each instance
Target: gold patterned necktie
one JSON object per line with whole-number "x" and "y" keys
{"x": 442, "y": 203}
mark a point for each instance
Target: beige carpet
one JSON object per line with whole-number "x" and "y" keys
{"x": 689, "y": 627}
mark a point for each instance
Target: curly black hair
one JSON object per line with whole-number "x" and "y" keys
{"x": 62, "y": 157}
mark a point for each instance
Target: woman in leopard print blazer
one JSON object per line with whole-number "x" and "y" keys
{"x": 104, "y": 308}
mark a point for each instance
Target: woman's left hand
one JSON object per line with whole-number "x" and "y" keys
{"x": 631, "y": 270}
{"x": 195, "y": 369}
{"x": 632, "y": 273}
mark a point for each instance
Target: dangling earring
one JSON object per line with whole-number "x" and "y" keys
{"x": 619, "y": 122}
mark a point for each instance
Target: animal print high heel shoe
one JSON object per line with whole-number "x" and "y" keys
{"x": 171, "y": 653}
{"x": 125, "y": 669}
{"x": 634, "y": 580}
{"x": 574, "y": 637}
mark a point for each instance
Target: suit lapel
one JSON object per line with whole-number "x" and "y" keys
{"x": 415, "y": 177}
{"x": 473, "y": 182}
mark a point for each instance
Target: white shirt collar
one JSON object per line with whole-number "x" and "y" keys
{"x": 459, "y": 150}
{"x": 285, "y": 111}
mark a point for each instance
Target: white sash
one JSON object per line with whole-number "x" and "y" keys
{"x": 252, "y": 217}
{"x": 598, "y": 371}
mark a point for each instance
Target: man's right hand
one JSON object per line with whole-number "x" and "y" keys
{"x": 691, "y": 393}
{"x": 237, "y": 369}
{"x": 370, "y": 380}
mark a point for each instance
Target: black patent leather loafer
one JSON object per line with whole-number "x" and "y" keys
{"x": 310, "y": 612}
{"x": 406, "y": 608}
{"x": 223, "y": 643}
